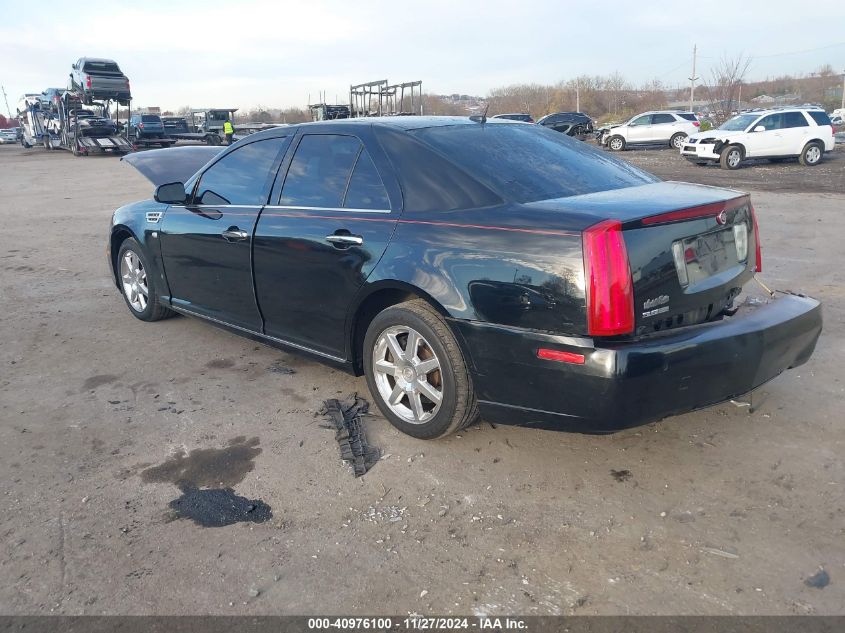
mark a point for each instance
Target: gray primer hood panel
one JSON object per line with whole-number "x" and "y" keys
{"x": 174, "y": 164}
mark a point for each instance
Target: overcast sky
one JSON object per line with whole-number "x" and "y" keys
{"x": 243, "y": 54}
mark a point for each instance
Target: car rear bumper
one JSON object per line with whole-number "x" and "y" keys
{"x": 627, "y": 384}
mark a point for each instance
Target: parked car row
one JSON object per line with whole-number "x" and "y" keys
{"x": 575, "y": 124}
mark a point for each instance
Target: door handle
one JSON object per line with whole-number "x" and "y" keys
{"x": 234, "y": 234}
{"x": 342, "y": 241}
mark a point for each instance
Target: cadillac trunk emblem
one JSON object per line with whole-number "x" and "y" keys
{"x": 722, "y": 218}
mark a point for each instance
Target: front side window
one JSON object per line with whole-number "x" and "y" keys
{"x": 241, "y": 176}
{"x": 794, "y": 119}
{"x": 319, "y": 171}
{"x": 772, "y": 122}
{"x": 642, "y": 120}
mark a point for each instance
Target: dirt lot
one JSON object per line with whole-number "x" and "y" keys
{"x": 715, "y": 512}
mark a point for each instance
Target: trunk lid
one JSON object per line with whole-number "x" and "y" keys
{"x": 688, "y": 262}
{"x": 688, "y": 265}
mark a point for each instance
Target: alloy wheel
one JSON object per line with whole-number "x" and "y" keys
{"x": 407, "y": 373}
{"x": 616, "y": 144}
{"x": 813, "y": 154}
{"x": 134, "y": 279}
{"x": 734, "y": 157}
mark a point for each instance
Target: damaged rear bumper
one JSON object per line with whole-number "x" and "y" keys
{"x": 625, "y": 384}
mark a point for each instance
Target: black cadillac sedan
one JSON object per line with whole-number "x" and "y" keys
{"x": 465, "y": 267}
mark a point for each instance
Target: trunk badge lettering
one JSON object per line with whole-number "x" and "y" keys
{"x": 657, "y": 301}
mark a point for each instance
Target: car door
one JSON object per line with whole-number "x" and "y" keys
{"x": 794, "y": 135}
{"x": 639, "y": 129}
{"x": 663, "y": 126}
{"x": 766, "y": 141}
{"x": 317, "y": 244}
{"x": 207, "y": 243}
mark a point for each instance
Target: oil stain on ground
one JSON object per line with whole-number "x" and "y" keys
{"x": 206, "y": 477}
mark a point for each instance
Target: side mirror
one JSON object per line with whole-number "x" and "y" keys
{"x": 760, "y": 128}
{"x": 171, "y": 193}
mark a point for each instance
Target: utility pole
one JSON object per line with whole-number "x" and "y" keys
{"x": 577, "y": 95}
{"x": 843, "y": 90}
{"x": 739, "y": 101}
{"x": 8, "y": 110}
{"x": 692, "y": 79}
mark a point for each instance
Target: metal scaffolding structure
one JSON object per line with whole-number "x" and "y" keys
{"x": 379, "y": 98}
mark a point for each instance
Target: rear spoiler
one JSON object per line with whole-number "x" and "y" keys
{"x": 173, "y": 164}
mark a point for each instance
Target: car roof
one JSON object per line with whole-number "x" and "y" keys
{"x": 405, "y": 123}
{"x": 97, "y": 59}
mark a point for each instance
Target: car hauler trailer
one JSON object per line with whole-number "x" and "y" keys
{"x": 34, "y": 116}
{"x": 83, "y": 139}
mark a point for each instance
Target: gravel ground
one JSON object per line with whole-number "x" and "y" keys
{"x": 110, "y": 428}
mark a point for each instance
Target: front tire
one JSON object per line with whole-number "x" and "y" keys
{"x": 416, "y": 372}
{"x": 811, "y": 155}
{"x": 138, "y": 288}
{"x": 677, "y": 140}
{"x": 731, "y": 157}
{"x": 616, "y": 143}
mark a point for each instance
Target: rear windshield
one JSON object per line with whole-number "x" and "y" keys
{"x": 689, "y": 116}
{"x": 101, "y": 67}
{"x": 819, "y": 117}
{"x": 151, "y": 118}
{"x": 527, "y": 163}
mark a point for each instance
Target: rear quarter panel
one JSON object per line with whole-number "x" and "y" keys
{"x": 478, "y": 269}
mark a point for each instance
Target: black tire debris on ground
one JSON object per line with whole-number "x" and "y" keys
{"x": 218, "y": 507}
{"x": 349, "y": 432}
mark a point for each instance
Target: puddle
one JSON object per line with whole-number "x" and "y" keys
{"x": 207, "y": 467}
{"x": 206, "y": 477}
{"x": 219, "y": 507}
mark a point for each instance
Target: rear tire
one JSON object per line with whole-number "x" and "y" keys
{"x": 410, "y": 354}
{"x": 731, "y": 157}
{"x": 616, "y": 144}
{"x": 677, "y": 140}
{"x": 137, "y": 287}
{"x": 811, "y": 155}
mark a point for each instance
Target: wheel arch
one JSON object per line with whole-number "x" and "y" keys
{"x": 119, "y": 234}
{"x": 374, "y": 299}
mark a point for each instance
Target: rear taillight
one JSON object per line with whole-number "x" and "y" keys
{"x": 127, "y": 84}
{"x": 757, "y": 255}
{"x": 607, "y": 280}
{"x": 88, "y": 81}
{"x": 696, "y": 124}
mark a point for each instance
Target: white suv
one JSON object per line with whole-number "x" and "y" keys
{"x": 651, "y": 127}
{"x": 776, "y": 134}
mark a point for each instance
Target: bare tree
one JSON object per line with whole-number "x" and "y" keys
{"x": 723, "y": 88}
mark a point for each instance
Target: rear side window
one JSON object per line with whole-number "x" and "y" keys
{"x": 365, "y": 190}
{"x": 794, "y": 119}
{"x": 241, "y": 176}
{"x": 689, "y": 116}
{"x": 319, "y": 171}
{"x": 662, "y": 118}
{"x": 526, "y": 163}
{"x": 819, "y": 117}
